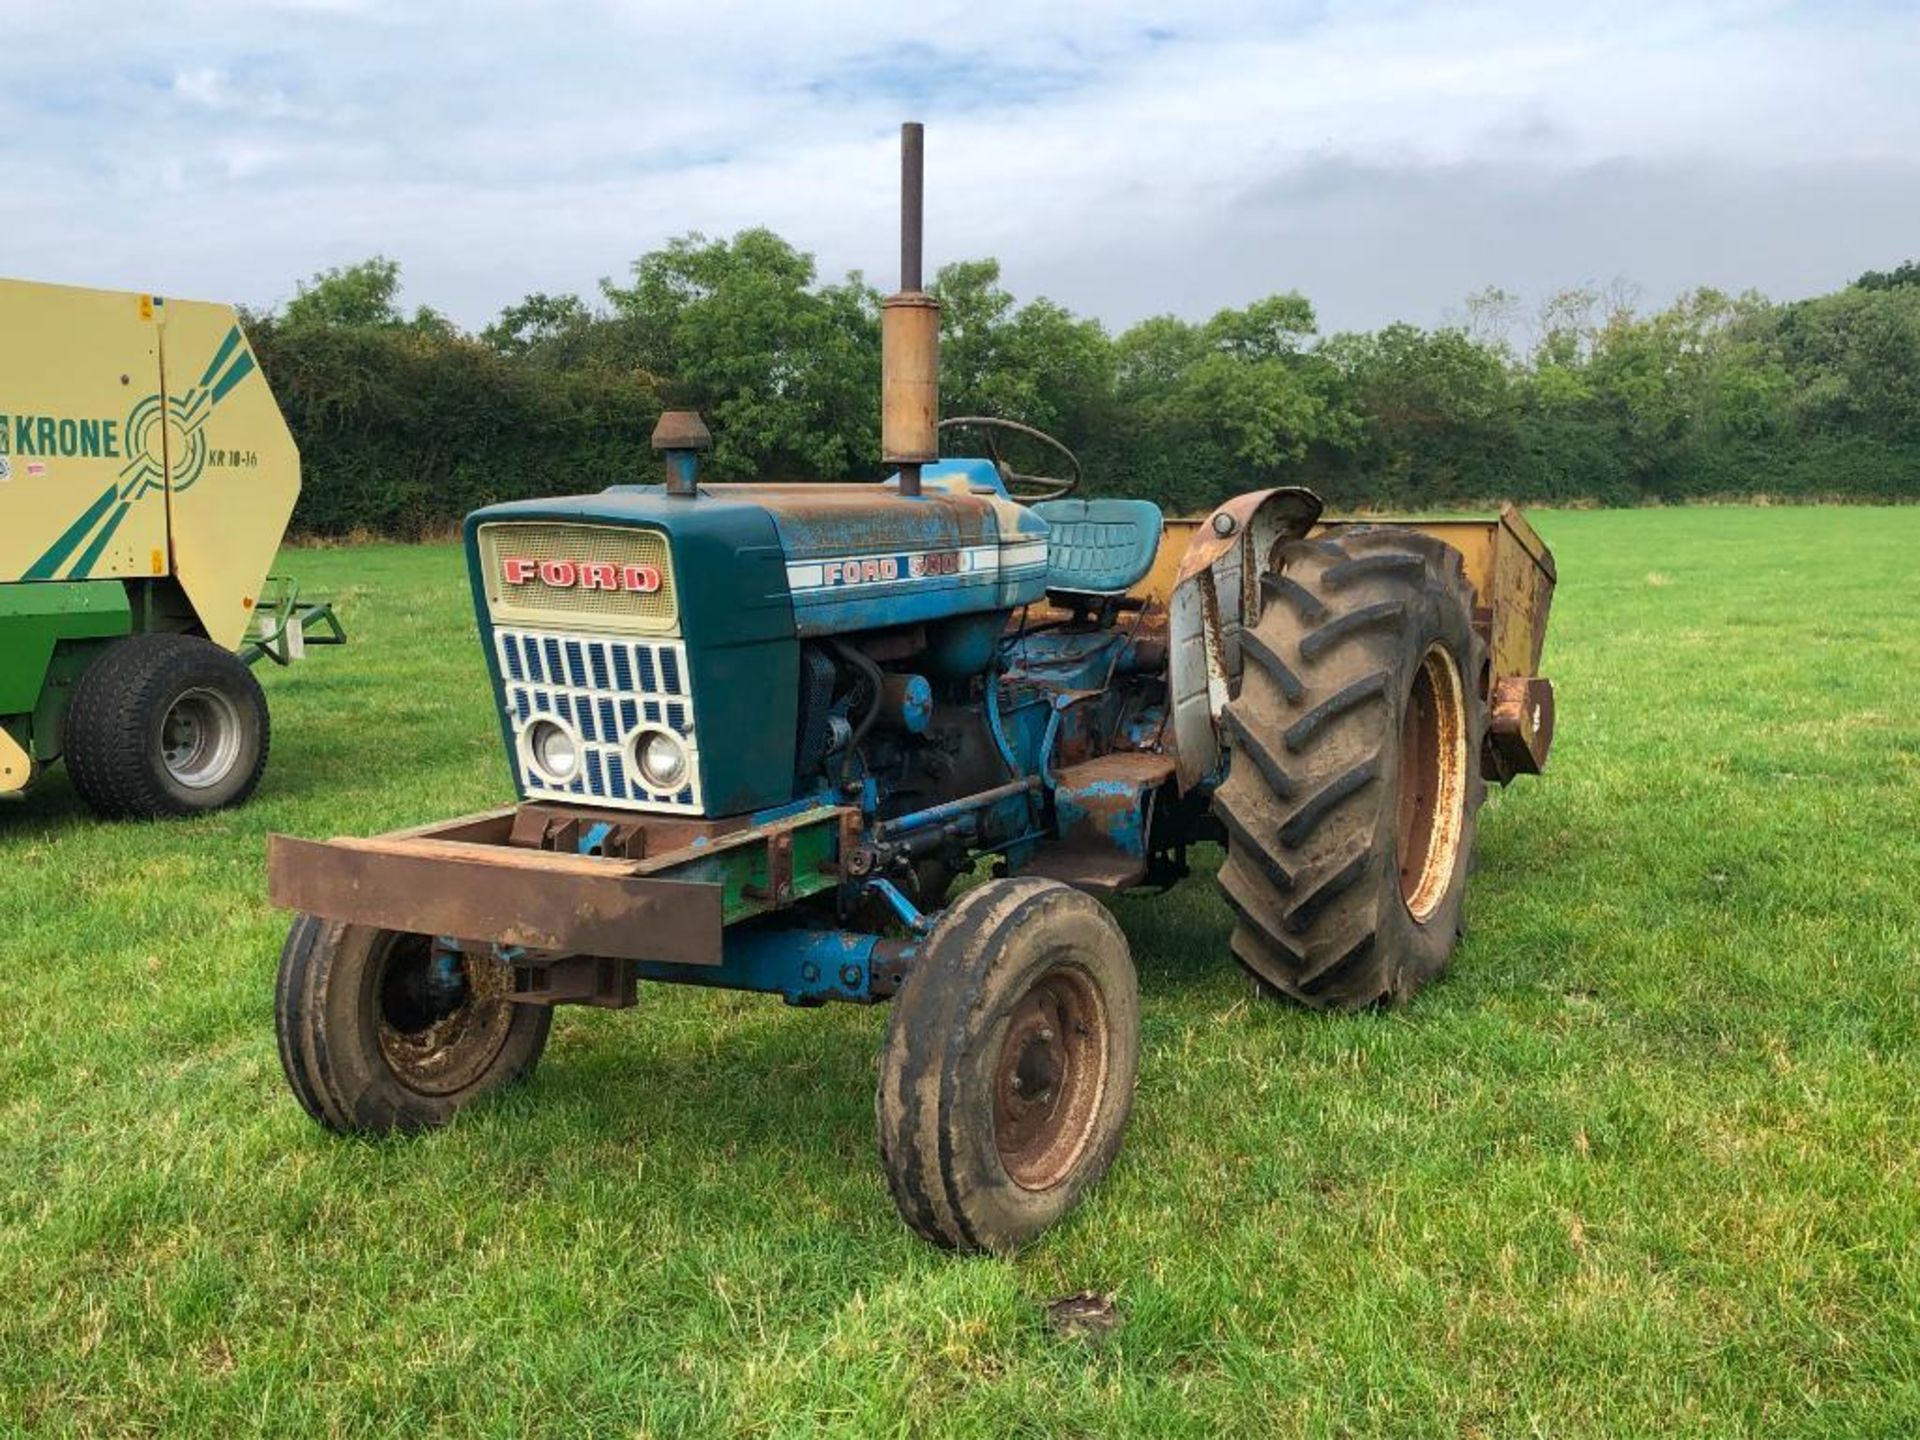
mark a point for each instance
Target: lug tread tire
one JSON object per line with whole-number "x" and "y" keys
{"x": 331, "y": 1055}
{"x": 294, "y": 1050}
{"x": 112, "y": 740}
{"x": 1311, "y": 873}
{"x": 939, "y": 1158}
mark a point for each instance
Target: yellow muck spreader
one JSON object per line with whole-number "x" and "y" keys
{"x": 146, "y": 479}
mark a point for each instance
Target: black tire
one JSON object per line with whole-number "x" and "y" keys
{"x": 1008, "y": 1069}
{"x": 369, "y": 1049}
{"x": 1354, "y": 784}
{"x": 165, "y": 725}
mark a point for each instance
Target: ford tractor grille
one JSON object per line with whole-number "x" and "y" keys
{"x": 601, "y": 720}
{"x": 603, "y": 577}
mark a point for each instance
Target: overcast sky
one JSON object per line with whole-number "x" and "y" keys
{"x": 1125, "y": 159}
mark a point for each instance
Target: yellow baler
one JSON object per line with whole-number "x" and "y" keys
{"x": 146, "y": 480}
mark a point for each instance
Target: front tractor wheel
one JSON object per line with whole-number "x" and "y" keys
{"x": 1351, "y": 797}
{"x": 382, "y": 1030}
{"x": 1009, "y": 1063}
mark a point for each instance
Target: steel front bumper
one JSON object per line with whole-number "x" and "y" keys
{"x": 538, "y": 900}
{"x": 658, "y": 889}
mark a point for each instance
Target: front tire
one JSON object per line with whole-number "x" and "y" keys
{"x": 380, "y": 1030}
{"x": 1354, "y": 786}
{"x": 166, "y": 725}
{"x": 1009, "y": 1064}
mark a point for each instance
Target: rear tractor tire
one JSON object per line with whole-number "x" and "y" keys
{"x": 381, "y": 1030}
{"x": 1009, "y": 1064}
{"x": 1354, "y": 785}
{"x": 165, "y": 725}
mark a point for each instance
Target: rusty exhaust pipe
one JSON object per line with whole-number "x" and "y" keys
{"x": 913, "y": 202}
{"x": 910, "y": 334}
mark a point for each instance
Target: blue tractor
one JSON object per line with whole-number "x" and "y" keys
{"x": 769, "y": 737}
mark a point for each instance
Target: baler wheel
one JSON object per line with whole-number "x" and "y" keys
{"x": 166, "y": 725}
{"x": 1354, "y": 783}
{"x": 1008, "y": 1069}
{"x": 382, "y": 1030}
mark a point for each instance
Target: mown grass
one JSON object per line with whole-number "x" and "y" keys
{"x": 1644, "y": 1163}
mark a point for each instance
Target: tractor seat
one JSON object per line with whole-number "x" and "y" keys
{"x": 1099, "y": 548}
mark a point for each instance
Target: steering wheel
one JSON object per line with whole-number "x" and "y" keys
{"x": 1021, "y": 487}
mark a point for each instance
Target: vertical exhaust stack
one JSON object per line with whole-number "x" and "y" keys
{"x": 910, "y": 335}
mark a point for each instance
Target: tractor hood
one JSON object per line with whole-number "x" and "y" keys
{"x": 863, "y": 557}
{"x": 853, "y": 557}
{"x": 694, "y": 607}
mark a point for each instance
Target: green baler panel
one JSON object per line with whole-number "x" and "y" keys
{"x": 35, "y": 617}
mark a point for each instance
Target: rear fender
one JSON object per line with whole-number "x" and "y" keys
{"x": 1216, "y": 592}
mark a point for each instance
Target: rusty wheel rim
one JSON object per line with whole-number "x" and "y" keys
{"x": 439, "y": 1032}
{"x": 1433, "y": 782}
{"x": 1049, "y": 1078}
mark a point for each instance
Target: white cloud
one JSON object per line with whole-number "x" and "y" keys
{"x": 210, "y": 88}
{"x": 1126, "y": 157}
{"x": 203, "y": 85}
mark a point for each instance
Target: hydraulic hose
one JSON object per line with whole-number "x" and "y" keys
{"x": 876, "y": 683}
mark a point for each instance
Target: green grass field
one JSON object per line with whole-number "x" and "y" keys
{"x": 1644, "y": 1163}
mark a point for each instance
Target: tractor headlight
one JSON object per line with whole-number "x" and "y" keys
{"x": 660, "y": 758}
{"x": 554, "y": 752}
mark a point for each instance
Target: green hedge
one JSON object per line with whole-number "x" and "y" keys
{"x": 401, "y": 433}
{"x": 405, "y": 425}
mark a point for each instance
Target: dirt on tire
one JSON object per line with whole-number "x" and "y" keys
{"x": 964, "y": 1172}
{"x": 342, "y": 1057}
{"x": 1355, "y": 780}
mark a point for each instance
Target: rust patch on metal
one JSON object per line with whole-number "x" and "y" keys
{"x": 775, "y": 833}
{"x": 1228, "y": 526}
{"x": 779, "y": 887}
{"x": 1048, "y": 1078}
{"x": 832, "y": 519}
{"x": 1106, "y": 805}
{"x": 1431, "y": 807}
{"x": 1138, "y": 767}
{"x": 544, "y": 825}
{"x": 487, "y": 827}
{"x": 599, "y": 980}
{"x": 1519, "y": 727}
{"x": 681, "y": 430}
{"x": 537, "y": 899}
{"x": 887, "y": 966}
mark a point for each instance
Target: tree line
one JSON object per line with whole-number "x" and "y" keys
{"x": 406, "y": 422}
